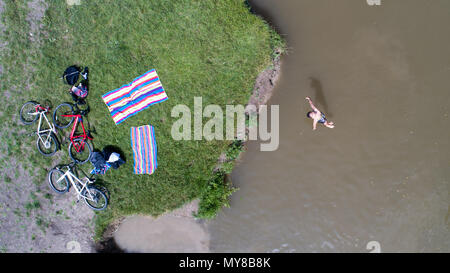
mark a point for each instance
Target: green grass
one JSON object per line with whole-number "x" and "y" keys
{"x": 42, "y": 223}
{"x": 205, "y": 48}
{"x": 7, "y": 179}
{"x": 33, "y": 205}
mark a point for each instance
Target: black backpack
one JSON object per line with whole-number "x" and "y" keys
{"x": 71, "y": 75}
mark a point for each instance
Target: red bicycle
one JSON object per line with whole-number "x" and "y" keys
{"x": 79, "y": 148}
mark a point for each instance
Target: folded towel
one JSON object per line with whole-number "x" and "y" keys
{"x": 134, "y": 97}
{"x": 144, "y": 149}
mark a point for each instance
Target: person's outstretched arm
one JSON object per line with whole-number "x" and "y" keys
{"x": 312, "y": 105}
{"x": 315, "y": 124}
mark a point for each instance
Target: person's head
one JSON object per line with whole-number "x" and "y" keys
{"x": 309, "y": 114}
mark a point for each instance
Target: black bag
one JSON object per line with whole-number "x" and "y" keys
{"x": 71, "y": 75}
{"x": 101, "y": 163}
{"x": 98, "y": 160}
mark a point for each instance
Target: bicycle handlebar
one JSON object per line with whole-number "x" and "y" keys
{"x": 42, "y": 108}
{"x": 81, "y": 112}
{"x": 84, "y": 112}
{"x": 72, "y": 164}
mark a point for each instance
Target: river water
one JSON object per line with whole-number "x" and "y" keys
{"x": 381, "y": 177}
{"x": 381, "y": 73}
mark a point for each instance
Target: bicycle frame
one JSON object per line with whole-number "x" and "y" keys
{"x": 78, "y": 119}
{"x": 75, "y": 182}
{"x": 42, "y": 111}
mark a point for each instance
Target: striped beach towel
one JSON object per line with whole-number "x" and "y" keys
{"x": 144, "y": 149}
{"x": 134, "y": 97}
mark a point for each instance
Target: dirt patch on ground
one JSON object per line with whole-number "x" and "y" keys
{"x": 32, "y": 217}
{"x": 175, "y": 231}
{"x": 37, "y": 10}
{"x": 115, "y": 237}
{"x": 163, "y": 234}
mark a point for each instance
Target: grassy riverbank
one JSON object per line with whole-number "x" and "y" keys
{"x": 210, "y": 49}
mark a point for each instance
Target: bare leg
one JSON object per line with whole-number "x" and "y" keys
{"x": 329, "y": 124}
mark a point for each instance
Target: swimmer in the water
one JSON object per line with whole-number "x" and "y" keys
{"x": 317, "y": 116}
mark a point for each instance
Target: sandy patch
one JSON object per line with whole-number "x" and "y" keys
{"x": 141, "y": 233}
{"x": 166, "y": 233}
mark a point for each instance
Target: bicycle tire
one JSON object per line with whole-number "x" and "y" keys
{"x": 26, "y": 118}
{"x": 74, "y": 154}
{"x": 98, "y": 194}
{"x": 60, "y": 121}
{"x": 53, "y": 144}
{"x": 52, "y": 181}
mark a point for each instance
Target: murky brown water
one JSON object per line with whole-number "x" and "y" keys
{"x": 381, "y": 73}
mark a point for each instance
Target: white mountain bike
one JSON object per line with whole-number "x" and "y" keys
{"x": 47, "y": 143}
{"x": 60, "y": 182}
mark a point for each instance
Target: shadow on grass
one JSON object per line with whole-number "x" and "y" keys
{"x": 114, "y": 149}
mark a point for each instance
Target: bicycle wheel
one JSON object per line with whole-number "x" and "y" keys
{"x": 57, "y": 183}
{"x": 47, "y": 144}
{"x": 58, "y": 119}
{"x": 28, "y": 113}
{"x": 95, "y": 198}
{"x": 80, "y": 151}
